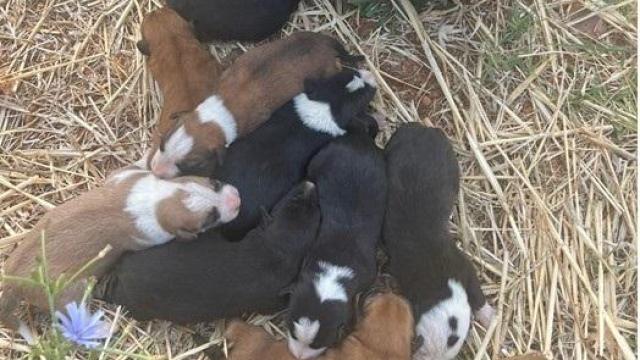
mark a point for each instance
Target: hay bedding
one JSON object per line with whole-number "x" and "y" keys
{"x": 538, "y": 97}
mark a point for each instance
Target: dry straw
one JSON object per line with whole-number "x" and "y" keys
{"x": 539, "y": 98}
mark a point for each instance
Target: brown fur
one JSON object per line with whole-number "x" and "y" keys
{"x": 384, "y": 333}
{"x": 76, "y": 231}
{"x": 184, "y": 69}
{"x": 262, "y": 80}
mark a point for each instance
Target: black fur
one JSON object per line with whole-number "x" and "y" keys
{"x": 266, "y": 163}
{"x": 211, "y": 278}
{"x": 239, "y": 20}
{"x": 424, "y": 178}
{"x": 351, "y": 181}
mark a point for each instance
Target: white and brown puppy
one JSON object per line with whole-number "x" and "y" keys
{"x": 248, "y": 92}
{"x": 185, "y": 71}
{"x": 134, "y": 210}
{"x": 434, "y": 275}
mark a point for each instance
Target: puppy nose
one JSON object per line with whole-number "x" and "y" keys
{"x": 232, "y": 198}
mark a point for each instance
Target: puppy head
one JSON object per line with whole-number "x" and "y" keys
{"x": 190, "y": 147}
{"x": 210, "y": 201}
{"x": 328, "y": 105}
{"x": 319, "y": 311}
{"x": 158, "y": 25}
{"x": 442, "y": 329}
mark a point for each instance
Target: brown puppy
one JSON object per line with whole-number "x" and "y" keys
{"x": 184, "y": 69}
{"x": 248, "y": 92}
{"x": 134, "y": 210}
{"x": 385, "y": 333}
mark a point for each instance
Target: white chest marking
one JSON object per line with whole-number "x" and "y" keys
{"x": 435, "y": 329}
{"x": 327, "y": 283}
{"x": 176, "y": 148}
{"x": 316, "y": 115}
{"x": 141, "y": 204}
{"x": 213, "y": 110}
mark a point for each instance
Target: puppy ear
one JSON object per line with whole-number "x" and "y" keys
{"x": 176, "y": 117}
{"x": 288, "y": 290}
{"x": 220, "y": 155}
{"x": 143, "y": 47}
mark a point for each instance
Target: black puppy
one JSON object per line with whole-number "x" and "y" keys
{"x": 265, "y": 164}
{"x": 211, "y": 279}
{"x": 434, "y": 275}
{"x": 240, "y": 20}
{"x": 351, "y": 181}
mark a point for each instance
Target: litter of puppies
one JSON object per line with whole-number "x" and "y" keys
{"x": 270, "y": 169}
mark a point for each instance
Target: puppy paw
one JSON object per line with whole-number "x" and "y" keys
{"x": 485, "y": 315}
{"x": 185, "y": 235}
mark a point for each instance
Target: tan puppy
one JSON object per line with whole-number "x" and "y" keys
{"x": 248, "y": 92}
{"x": 134, "y": 210}
{"x": 385, "y": 333}
{"x": 184, "y": 69}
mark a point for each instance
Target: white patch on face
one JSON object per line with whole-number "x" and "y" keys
{"x": 316, "y": 115}
{"x": 355, "y": 84}
{"x": 202, "y": 199}
{"x": 327, "y": 283}
{"x": 141, "y": 204}
{"x": 305, "y": 332}
{"x": 435, "y": 329}
{"x": 368, "y": 78}
{"x": 176, "y": 148}
{"x": 213, "y": 110}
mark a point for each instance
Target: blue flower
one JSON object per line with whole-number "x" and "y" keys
{"x": 82, "y": 327}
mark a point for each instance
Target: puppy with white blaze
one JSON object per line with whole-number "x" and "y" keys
{"x": 433, "y": 274}
{"x": 351, "y": 181}
{"x": 265, "y": 164}
{"x": 133, "y": 211}
{"x": 244, "y": 97}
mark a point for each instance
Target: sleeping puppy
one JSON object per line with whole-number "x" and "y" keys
{"x": 134, "y": 210}
{"x": 239, "y": 20}
{"x": 184, "y": 69}
{"x": 434, "y": 275}
{"x": 246, "y": 95}
{"x": 214, "y": 278}
{"x": 384, "y": 333}
{"x": 351, "y": 180}
{"x": 264, "y": 165}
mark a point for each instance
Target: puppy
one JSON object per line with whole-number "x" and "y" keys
{"x": 434, "y": 275}
{"x": 133, "y": 211}
{"x": 351, "y": 180}
{"x": 247, "y": 93}
{"x": 384, "y": 333}
{"x": 267, "y": 163}
{"x": 212, "y": 278}
{"x": 239, "y": 20}
{"x": 185, "y": 71}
